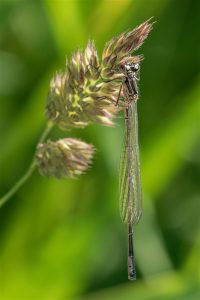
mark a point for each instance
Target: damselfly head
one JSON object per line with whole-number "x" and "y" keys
{"x": 131, "y": 63}
{"x": 127, "y": 67}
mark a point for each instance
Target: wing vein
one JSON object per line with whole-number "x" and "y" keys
{"x": 129, "y": 175}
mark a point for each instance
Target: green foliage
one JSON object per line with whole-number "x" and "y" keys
{"x": 64, "y": 239}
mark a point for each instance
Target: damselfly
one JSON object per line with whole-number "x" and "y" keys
{"x": 129, "y": 177}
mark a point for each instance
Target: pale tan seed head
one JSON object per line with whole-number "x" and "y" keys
{"x": 67, "y": 157}
{"x": 122, "y": 46}
{"x": 78, "y": 96}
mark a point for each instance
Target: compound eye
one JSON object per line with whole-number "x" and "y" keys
{"x": 135, "y": 67}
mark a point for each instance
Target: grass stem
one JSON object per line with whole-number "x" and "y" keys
{"x": 28, "y": 173}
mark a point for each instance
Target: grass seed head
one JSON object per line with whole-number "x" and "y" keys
{"x": 67, "y": 157}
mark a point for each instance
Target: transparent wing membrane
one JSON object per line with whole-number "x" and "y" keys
{"x": 129, "y": 175}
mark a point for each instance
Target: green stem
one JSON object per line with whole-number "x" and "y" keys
{"x": 28, "y": 173}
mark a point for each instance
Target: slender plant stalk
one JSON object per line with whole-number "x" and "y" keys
{"x": 28, "y": 173}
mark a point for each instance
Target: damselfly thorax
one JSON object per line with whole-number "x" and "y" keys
{"x": 129, "y": 85}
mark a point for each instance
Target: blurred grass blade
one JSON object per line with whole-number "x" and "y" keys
{"x": 19, "y": 137}
{"x": 150, "y": 241}
{"x": 109, "y": 12}
{"x": 69, "y": 31}
{"x": 163, "y": 156}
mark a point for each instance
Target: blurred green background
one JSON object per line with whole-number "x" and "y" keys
{"x": 64, "y": 239}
